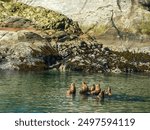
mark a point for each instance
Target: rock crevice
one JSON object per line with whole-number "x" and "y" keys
{"x": 29, "y": 41}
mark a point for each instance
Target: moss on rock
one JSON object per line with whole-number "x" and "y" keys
{"x": 42, "y": 18}
{"x": 95, "y": 29}
{"x": 144, "y": 27}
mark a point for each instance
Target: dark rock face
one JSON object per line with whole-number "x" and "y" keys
{"x": 145, "y": 3}
{"x": 26, "y": 50}
{"x": 92, "y": 57}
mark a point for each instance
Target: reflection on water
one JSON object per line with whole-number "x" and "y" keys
{"x": 46, "y": 92}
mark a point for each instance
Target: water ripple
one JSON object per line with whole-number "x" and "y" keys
{"x": 46, "y": 92}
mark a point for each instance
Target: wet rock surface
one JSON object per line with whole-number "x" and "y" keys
{"x": 93, "y": 57}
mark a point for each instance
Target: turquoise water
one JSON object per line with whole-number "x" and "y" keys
{"x": 46, "y": 92}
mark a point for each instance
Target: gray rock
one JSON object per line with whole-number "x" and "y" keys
{"x": 85, "y": 12}
{"x": 17, "y": 22}
{"x": 116, "y": 70}
{"x": 76, "y": 58}
{"x": 35, "y": 53}
{"x": 98, "y": 12}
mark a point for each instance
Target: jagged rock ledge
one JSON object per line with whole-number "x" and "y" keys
{"x": 26, "y": 45}
{"x": 25, "y": 50}
{"x": 26, "y": 35}
{"x": 93, "y": 57}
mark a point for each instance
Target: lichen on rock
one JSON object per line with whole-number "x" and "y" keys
{"x": 128, "y": 14}
{"x": 26, "y": 33}
{"x": 42, "y": 18}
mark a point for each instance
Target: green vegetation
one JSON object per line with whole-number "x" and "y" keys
{"x": 101, "y": 29}
{"x": 144, "y": 27}
{"x": 95, "y": 29}
{"x": 42, "y": 18}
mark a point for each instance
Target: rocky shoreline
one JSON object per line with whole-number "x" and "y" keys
{"x": 93, "y": 57}
{"x": 26, "y": 44}
{"x": 27, "y": 50}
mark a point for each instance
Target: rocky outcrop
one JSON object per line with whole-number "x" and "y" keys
{"x": 25, "y": 50}
{"x": 94, "y": 16}
{"x": 26, "y": 35}
{"x": 118, "y": 24}
{"x": 41, "y": 18}
{"x": 86, "y": 12}
{"x": 93, "y": 57}
{"x": 34, "y": 38}
{"x": 31, "y": 50}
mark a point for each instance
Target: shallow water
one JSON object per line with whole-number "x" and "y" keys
{"x": 46, "y": 92}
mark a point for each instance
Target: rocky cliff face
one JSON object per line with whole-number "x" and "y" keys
{"x": 95, "y": 16}
{"x": 86, "y": 12}
{"x": 42, "y": 18}
{"x": 25, "y": 50}
{"x": 34, "y": 38}
{"x": 26, "y": 34}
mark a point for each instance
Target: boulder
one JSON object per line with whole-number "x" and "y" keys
{"x": 11, "y": 15}
{"x": 25, "y": 50}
